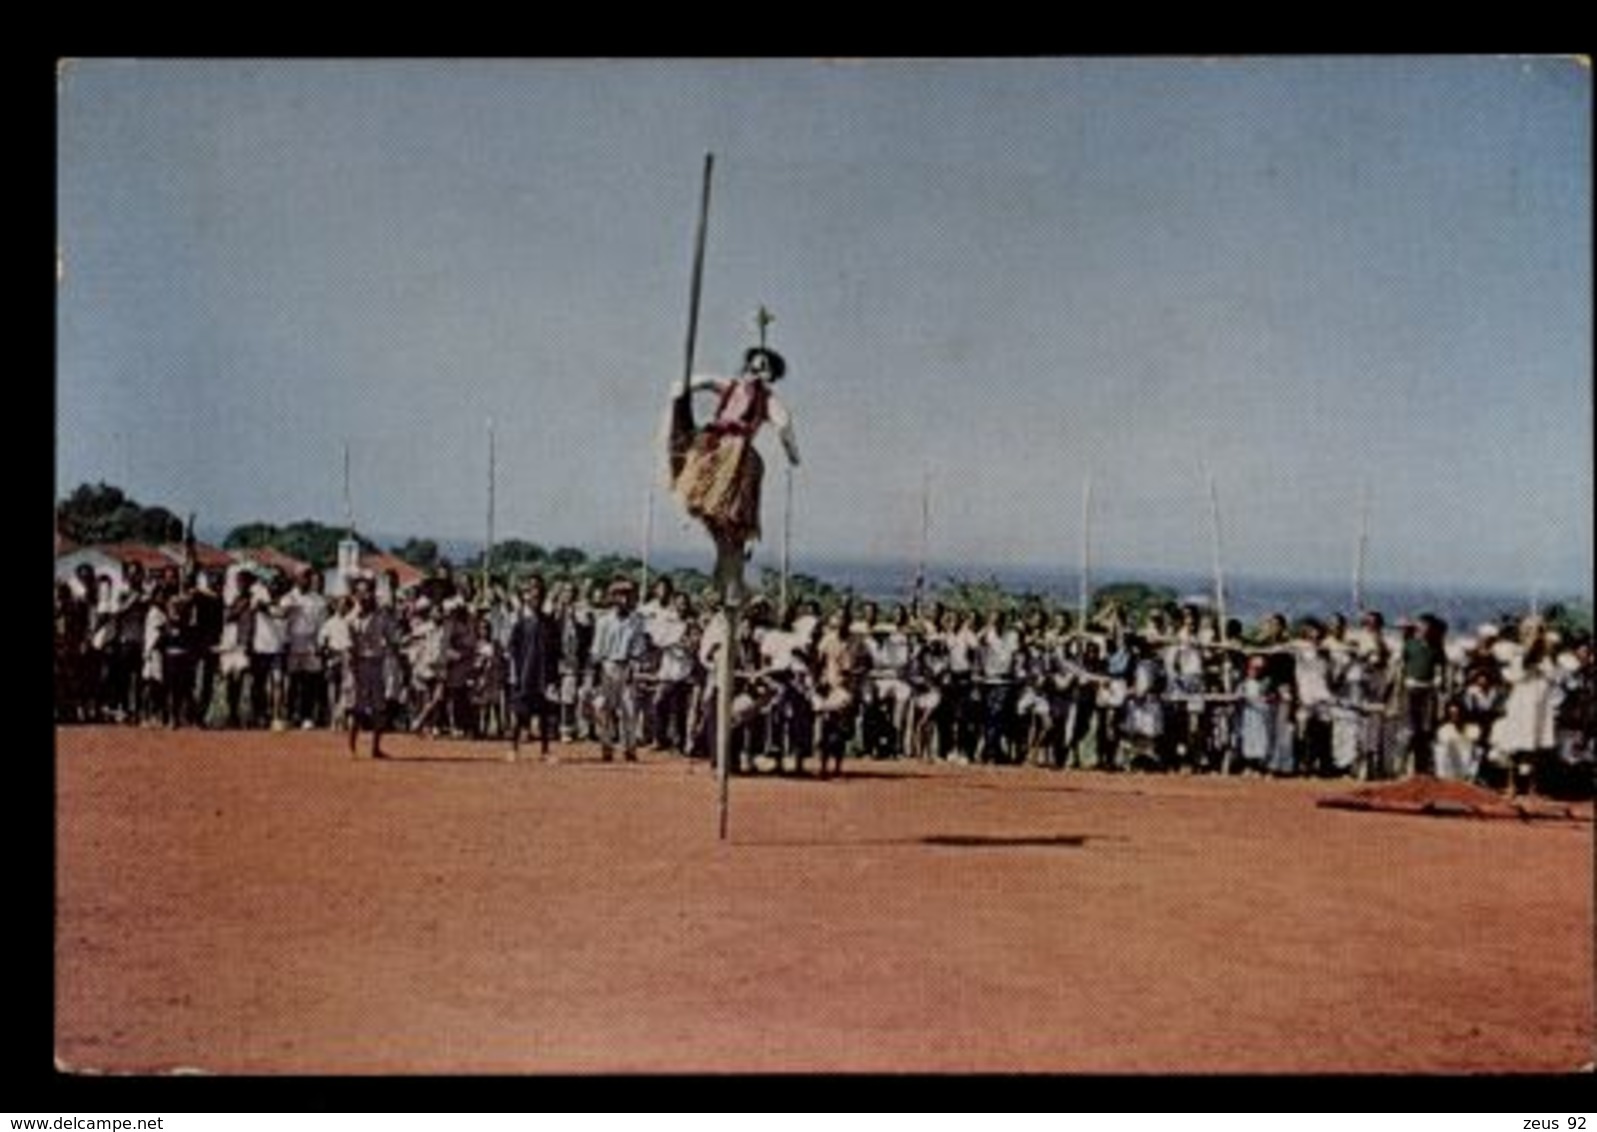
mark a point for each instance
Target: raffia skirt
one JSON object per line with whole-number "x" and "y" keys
{"x": 720, "y": 485}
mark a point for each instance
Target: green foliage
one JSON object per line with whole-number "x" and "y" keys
{"x": 157, "y": 525}
{"x": 307, "y": 540}
{"x": 567, "y": 558}
{"x": 512, "y": 561}
{"x": 312, "y": 542}
{"x": 800, "y": 588}
{"x": 101, "y": 513}
{"x": 1132, "y": 600}
{"x": 1569, "y": 619}
{"x": 250, "y": 535}
{"x": 421, "y": 553}
{"x": 518, "y": 552}
{"x": 981, "y": 595}
{"x": 695, "y": 583}
{"x": 1578, "y": 617}
{"x": 615, "y": 566}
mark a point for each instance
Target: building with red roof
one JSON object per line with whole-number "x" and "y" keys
{"x": 113, "y": 559}
{"x": 379, "y": 562}
{"x": 272, "y": 560}
{"x": 206, "y": 556}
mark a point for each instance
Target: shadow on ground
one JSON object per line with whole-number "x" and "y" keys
{"x": 941, "y": 841}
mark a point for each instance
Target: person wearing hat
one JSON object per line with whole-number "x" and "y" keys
{"x": 620, "y": 642}
{"x": 1478, "y": 655}
{"x": 716, "y": 471}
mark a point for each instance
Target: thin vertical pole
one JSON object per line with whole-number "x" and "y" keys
{"x": 648, "y": 537}
{"x": 698, "y": 274}
{"x": 787, "y": 541}
{"x": 1362, "y": 548}
{"x": 730, "y": 569}
{"x": 349, "y": 500}
{"x": 488, "y": 548}
{"x": 925, "y": 534}
{"x": 1219, "y": 569}
{"x": 1086, "y": 550}
{"x": 1219, "y": 594}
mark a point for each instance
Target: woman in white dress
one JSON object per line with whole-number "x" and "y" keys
{"x": 1525, "y": 731}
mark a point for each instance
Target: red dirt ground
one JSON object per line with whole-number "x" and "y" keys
{"x": 260, "y": 903}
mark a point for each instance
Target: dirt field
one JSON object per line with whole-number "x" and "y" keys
{"x": 260, "y": 903}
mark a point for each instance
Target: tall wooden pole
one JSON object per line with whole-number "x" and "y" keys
{"x": 698, "y": 273}
{"x": 730, "y": 568}
{"x": 1219, "y": 603}
{"x": 925, "y": 533}
{"x": 1219, "y": 569}
{"x": 488, "y": 547}
{"x": 648, "y": 537}
{"x": 1219, "y": 599}
{"x": 729, "y": 560}
{"x": 1086, "y": 551}
{"x": 1533, "y": 573}
{"x": 349, "y": 500}
{"x": 1361, "y": 549}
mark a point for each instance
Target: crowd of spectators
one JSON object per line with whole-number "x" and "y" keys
{"x": 1508, "y": 704}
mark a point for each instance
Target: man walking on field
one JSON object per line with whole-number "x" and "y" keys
{"x": 619, "y": 643}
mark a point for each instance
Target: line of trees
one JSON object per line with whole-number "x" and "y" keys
{"x": 101, "y": 513}
{"x": 104, "y": 513}
{"x": 307, "y": 540}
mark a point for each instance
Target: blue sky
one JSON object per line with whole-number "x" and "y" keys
{"x": 1302, "y": 275}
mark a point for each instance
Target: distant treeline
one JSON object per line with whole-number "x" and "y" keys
{"x": 103, "y": 513}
